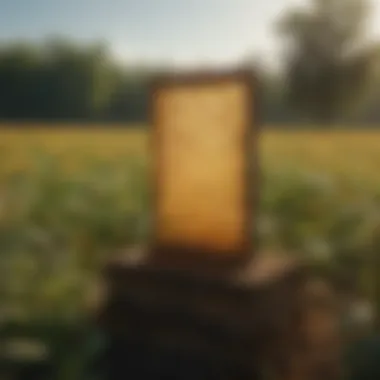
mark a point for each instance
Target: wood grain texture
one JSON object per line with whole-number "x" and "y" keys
{"x": 244, "y": 326}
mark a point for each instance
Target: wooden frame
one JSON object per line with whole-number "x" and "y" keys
{"x": 188, "y": 256}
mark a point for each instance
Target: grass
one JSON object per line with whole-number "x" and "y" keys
{"x": 340, "y": 153}
{"x": 321, "y": 197}
{"x": 74, "y": 145}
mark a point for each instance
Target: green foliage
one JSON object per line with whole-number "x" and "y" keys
{"x": 57, "y": 227}
{"x": 330, "y": 61}
{"x": 60, "y": 80}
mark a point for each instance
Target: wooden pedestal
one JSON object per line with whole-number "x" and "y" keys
{"x": 270, "y": 319}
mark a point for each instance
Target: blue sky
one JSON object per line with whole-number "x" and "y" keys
{"x": 183, "y": 31}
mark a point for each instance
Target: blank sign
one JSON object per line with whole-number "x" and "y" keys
{"x": 202, "y": 153}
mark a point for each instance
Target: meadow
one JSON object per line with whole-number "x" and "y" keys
{"x": 354, "y": 154}
{"x": 72, "y": 197}
{"x": 312, "y": 180}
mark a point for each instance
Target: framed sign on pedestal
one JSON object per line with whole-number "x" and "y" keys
{"x": 205, "y": 160}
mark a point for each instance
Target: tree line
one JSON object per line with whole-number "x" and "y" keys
{"x": 61, "y": 80}
{"x": 330, "y": 75}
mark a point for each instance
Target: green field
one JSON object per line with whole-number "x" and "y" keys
{"x": 81, "y": 193}
{"x": 354, "y": 154}
{"x": 71, "y": 198}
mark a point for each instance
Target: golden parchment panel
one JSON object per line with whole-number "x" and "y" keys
{"x": 201, "y": 131}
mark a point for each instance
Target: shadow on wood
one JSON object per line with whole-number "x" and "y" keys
{"x": 272, "y": 318}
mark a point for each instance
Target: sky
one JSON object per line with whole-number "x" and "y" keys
{"x": 184, "y": 32}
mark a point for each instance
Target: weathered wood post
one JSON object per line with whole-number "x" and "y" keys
{"x": 201, "y": 302}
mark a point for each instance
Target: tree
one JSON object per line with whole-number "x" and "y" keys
{"x": 329, "y": 60}
{"x": 80, "y": 80}
{"x": 18, "y": 74}
{"x": 63, "y": 80}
